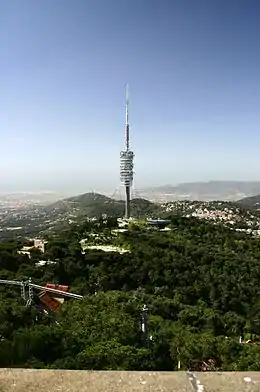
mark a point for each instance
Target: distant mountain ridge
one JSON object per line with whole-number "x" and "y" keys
{"x": 205, "y": 191}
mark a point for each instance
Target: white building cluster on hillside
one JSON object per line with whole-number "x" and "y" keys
{"x": 219, "y": 212}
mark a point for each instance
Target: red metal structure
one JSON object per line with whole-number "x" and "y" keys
{"x": 51, "y": 295}
{"x": 52, "y": 301}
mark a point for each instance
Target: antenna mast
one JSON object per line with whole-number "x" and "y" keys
{"x": 127, "y": 118}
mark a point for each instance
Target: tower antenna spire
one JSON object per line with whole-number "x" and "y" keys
{"x": 127, "y": 118}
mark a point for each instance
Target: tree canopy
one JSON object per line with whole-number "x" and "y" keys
{"x": 200, "y": 283}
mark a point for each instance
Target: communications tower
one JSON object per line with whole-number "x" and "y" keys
{"x": 127, "y": 162}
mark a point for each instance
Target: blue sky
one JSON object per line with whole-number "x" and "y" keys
{"x": 193, "y": 71}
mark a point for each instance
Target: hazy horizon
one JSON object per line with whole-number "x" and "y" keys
{"x": 118, "y": 191}
{"x": 193, "y": 74}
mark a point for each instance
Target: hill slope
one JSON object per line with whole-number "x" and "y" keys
{"x": 253, "y": 201}
{"x": 95, "y": 204}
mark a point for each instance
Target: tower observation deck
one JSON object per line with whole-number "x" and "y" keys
{"x": 127, "y": 163}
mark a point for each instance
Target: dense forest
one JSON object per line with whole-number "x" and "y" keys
{"x": 199, "y": 281}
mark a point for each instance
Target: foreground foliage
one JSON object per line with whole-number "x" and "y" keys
{"x": 199, "y": 281}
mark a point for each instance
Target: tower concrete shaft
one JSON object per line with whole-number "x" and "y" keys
{"x": 127, "y": 202}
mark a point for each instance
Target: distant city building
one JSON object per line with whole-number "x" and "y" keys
{"x": 40, "y": 244}
{"x": 37, "y": 244}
